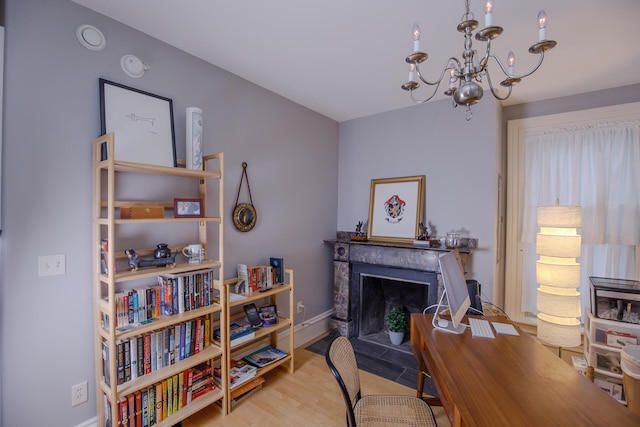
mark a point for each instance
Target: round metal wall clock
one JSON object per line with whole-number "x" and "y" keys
{"x": 244, "y": 214}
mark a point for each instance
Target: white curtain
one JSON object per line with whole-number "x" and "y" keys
{"x": 596, "y": 167}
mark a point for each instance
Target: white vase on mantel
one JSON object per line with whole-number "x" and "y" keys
{"x": 396, "y": 337}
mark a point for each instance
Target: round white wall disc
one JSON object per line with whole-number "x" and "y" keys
{"x": 90, "y": 37}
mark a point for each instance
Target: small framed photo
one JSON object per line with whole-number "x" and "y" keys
{"x": 396, "y": 206}
{"x": 142, "y": 123}
{"x": 269, "y": 315}
{"x": 187, "y": 208}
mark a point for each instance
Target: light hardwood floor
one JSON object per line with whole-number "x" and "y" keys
{"x": 308, "y": 397}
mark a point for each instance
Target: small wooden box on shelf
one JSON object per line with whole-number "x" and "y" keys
{"x": 264, "y": 335}
{"x": 147, "y": 346}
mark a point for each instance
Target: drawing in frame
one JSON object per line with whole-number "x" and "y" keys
{"x": 142, "y": 123}
{"x": 396, "y": 207}
{"x": 187, "y": 208}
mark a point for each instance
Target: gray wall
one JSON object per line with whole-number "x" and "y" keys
{"x": 52, "y": 115}
{"x": 460, "y": 161}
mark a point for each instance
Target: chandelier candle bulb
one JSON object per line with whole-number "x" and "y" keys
{"x": 412, "y": 67}
{"x": 416, "y": 37}
{"x": 542, "y": 26}
{"x": 487, "y": 14}
{"x": 511, "y": 59}
{"x": 452, "y": 80}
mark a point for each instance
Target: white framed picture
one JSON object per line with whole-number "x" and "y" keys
{"x": 396, "y": 206}
{"x": 142, "y": 123}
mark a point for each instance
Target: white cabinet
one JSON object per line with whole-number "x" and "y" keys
{"x": 604, "y": 340}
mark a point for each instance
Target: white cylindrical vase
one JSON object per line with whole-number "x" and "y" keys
{"x": 194, "y": 138}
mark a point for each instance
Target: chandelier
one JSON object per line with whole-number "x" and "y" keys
{"x": 465, "y": 76}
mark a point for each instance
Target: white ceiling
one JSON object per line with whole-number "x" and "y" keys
{"x": 345, "y": 58}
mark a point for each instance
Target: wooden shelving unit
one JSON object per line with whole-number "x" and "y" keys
{"x": 107, "y": 174}
{"x": 265, "y": 335}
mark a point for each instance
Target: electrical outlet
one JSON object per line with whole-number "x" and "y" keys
{"x": 299, "y": 307}
{"x": 51, "y": 265}
{"x": 79, "y": 393}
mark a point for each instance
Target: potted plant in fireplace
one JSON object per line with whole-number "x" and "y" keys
{"x": 397, "y": 320}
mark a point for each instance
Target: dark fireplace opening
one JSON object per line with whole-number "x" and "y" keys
{"x": 380, "y": 294}
{"x": 376, "y": 289}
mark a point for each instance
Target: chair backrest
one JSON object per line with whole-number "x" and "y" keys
{"x": 342, "y": 363}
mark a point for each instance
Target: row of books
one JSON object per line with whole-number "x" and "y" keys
{"x": 146, "y": 353}
{"x": 258, "y": 278}
{"x": 150, "y": 406}
{"x": 174, "y": 294}
{"x": 188, "y": 290}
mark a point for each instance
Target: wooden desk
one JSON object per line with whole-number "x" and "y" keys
{"x": 509, "y": 381}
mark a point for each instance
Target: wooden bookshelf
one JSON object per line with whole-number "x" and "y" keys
{"x": 264, "y": 335}
{"x": 112, "y": 277}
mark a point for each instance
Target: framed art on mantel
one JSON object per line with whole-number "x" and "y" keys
{"x": 396, "y": 207}
{"x": 142, "y": 123}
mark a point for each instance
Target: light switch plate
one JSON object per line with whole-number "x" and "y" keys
{"x": 51, "y": 265}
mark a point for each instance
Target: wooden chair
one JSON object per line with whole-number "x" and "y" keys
{"x": 372, "y": 410}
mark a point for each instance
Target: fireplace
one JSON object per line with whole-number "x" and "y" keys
{"x": 370, "y": 278}
{"x": 375, "y": 290}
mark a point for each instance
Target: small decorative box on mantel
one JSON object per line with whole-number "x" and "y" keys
{"x": 141, "y": 212}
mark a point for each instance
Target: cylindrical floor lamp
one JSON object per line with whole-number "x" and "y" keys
{"x": 558, "y": 275}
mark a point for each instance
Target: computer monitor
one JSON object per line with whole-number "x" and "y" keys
{"x": 456, "y": 291}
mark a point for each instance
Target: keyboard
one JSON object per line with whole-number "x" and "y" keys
{"x": 480, "y": 328}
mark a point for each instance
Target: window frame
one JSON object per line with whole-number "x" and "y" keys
{"x": 517, "y": 129}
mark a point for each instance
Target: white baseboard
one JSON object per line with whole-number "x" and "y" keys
{"x": 312, "y": 328}
{"x": 306, "y": 331}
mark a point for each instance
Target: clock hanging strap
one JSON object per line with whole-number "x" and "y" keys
{"x": 242, "y": 177}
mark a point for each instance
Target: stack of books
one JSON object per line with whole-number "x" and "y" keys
{"x": 265, "y": 356}
{"x": 243, "y": 391}
{"x": 238, "y": 333}
{"x": 201, "y": 381}
{"x": 240, "y": 372}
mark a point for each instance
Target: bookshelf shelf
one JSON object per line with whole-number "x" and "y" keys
{"x": 265, "y": 335}
{"x": 194, "y": 407}
{"x": 283, "y": 323}
{"x": 169, "y": 338}
{"x": 181, "y": 267}
{"x": 162, "y": 322}
{"x": 148, "y": 380}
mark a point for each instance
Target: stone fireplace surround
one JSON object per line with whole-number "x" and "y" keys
{"x": 370, "y": 277}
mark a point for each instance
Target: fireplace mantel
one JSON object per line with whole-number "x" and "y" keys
{"x": 403, "y": 261}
